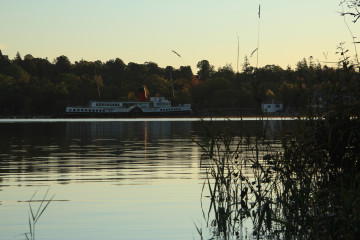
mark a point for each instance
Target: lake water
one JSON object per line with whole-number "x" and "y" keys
{"x": 112, "y": 179}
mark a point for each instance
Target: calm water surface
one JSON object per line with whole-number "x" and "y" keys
{"x": 120, "y": 179}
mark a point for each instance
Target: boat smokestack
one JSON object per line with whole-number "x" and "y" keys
{"x": 142, "y": 94}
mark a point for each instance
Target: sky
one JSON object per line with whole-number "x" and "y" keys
{"x": 149, "y": 30}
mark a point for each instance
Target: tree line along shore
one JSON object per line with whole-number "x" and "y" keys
{"x": 31, "y": 86}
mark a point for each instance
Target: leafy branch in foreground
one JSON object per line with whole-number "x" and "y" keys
{"x": 353, "y": 9}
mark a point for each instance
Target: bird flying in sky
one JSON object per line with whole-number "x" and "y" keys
{"x": 176, "y": 53}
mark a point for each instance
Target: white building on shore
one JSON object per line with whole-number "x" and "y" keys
{"x": 271, "y": 106}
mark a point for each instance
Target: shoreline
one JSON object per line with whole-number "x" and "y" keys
{"x": 144, "y": 118}
{"x": 194, "y": 115}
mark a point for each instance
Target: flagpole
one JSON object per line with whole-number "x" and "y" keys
{"x": 237, "y": 62}
{"x": 258, "y": 42}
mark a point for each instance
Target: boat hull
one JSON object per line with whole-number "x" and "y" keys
{"x": 127, "y": 114}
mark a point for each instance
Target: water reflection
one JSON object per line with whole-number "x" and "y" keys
{"x": 123, "y": 172}
{"x": 110, "y": 151}
{"x": 106, "y": 151}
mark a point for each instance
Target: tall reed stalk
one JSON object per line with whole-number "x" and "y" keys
{"x": 309, "y": 188}
{"x": 238, "y": 181}
{"x": 36, "y": 213}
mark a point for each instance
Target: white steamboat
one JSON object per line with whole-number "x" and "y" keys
{"x": 156, "y": 106}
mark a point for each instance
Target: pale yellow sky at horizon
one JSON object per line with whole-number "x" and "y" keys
{"x": 148, "y": 30}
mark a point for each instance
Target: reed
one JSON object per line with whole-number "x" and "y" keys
{"x": 309, "y": 188}
{"x": 235, "y": 193}
{"x": 36, "y": 213}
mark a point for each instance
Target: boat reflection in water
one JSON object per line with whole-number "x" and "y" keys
{"x": 112, "y": 179}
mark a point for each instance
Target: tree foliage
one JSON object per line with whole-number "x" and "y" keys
{"x": 35, "y": 86}
{"x": 352, "y": 9}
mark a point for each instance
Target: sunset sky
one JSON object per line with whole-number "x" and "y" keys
{"x": 148, "y": 30}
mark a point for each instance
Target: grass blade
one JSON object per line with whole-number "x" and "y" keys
{"x": 42, "y": 211}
